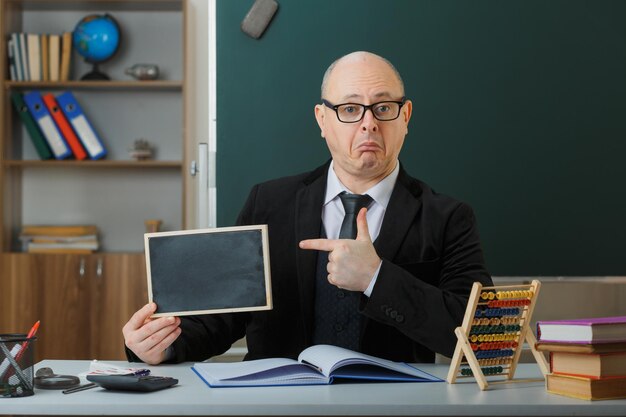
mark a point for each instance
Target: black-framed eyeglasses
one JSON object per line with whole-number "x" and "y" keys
{"x": 354, "y": 112}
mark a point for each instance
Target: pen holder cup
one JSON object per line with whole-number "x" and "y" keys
{"x": 16, "y": 365}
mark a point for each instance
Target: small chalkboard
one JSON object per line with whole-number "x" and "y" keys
{"x": 208, "y": 271}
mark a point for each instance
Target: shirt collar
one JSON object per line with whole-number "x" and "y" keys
{"x": 381, "y": 192}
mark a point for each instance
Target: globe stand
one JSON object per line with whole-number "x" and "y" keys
{"x": 95, "y": 74}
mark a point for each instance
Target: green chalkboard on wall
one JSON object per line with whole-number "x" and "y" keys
{"x": 519, "y": 110}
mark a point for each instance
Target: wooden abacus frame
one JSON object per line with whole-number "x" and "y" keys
{"x": 506, "y": 344}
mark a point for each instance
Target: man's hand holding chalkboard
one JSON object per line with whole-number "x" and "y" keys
{"x": 149, "y": 338}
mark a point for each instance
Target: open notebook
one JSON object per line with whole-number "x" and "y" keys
{"x": 316, "y": 365}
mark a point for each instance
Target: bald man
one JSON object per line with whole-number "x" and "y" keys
{"x": 391, "y": 280}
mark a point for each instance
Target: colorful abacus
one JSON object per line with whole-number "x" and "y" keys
{"x": 494, "y": 329}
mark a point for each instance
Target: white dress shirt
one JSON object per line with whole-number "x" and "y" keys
{"x": 333, "y": 211}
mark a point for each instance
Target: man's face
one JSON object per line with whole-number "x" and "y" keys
{"x": 367, "y": 149}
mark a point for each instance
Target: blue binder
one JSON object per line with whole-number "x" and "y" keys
{"x": 46, "y": 124}
{"x": 84, "y": 130}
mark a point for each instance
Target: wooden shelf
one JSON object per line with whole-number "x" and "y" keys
{"x": 95, "y": 85}
{"x": 94, "y": 164}
{"x": 121, "y": 111}
{"x": 117, "y": 194}
{"x": 114, "y": 5}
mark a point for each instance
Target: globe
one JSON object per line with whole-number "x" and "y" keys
{"x": 96, "y": 38}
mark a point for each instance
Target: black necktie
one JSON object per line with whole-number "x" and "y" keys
{"x": 352, "y": 204}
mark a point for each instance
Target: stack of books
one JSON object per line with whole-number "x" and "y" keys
{"x": 39, "y": 57}
{"x": 587, "y": 357}
{"x": 81, "y": 239}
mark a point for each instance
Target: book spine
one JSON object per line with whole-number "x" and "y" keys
{"x": 45, "y": 64}
{"x": 11, "y": 56}
{"x": 59, "y": 230}
{"x": 17, "y": 54}
{"x": 24, "y": 56}
{"x": 34, "y": 56}
{"x": 66, "y": 54}
{"x": 54, "y": 52}
{"x": 587, "y": 376}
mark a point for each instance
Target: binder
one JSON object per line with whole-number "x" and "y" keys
{"x": 64, "y": 127}
{"x": 53, "y": 136}
{"x": 84, "y": 130}
{"x": 31, "y": 126}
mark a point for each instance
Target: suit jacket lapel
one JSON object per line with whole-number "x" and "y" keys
{"x": 308, "y": 224}
{"x": 401, "y": 211}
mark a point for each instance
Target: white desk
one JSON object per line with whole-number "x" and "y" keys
{"x": 193, "y": 397}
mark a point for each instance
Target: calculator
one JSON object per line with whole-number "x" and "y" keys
{"x": 143, "y": 383}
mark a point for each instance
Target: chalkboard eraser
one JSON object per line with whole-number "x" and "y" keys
{"x": 259, "y": 17}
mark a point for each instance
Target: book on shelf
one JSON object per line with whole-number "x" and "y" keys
{"x": 64, "y": 127}
{"x": 59, "y": 239}
{"x": 17, "y": 56}
{"x": 590, "y": 331}
{"x": 586, "y": 388}
{"x": 88, "y": 245}
{"x": 40, "y": 143}
{"x": 54, "y": 52}
{"x": 34, "y": 56}
{"x": 66, "y": 251}
{"x": 316, "y": 365}
{"x": 23, "y": 56}
{"x": 66, "y": 55}
{"x": 59, "y": 230}
{"x": 11, "y": 57}
{"x": 45, "y": 57}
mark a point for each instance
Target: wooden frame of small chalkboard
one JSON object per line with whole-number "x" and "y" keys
{"x": 208, "y": 271}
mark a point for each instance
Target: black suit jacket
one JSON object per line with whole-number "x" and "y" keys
{"x": 431, "y": 256}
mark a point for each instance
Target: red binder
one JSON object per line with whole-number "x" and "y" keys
{"x": 64, "y": 126}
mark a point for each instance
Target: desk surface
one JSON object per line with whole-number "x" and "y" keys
{"x": 192, "y": 397}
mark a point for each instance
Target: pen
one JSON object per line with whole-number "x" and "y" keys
{"x": 31, "y": 333}
{"x": 80, "y": 388}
